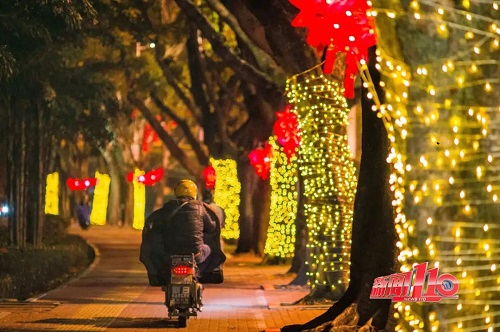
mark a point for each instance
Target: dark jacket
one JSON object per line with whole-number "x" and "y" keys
{"x": 183, "y": 233}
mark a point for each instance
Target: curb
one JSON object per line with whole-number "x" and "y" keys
{"x": 90, "y": 268}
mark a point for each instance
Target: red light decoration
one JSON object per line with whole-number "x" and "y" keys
{"x": 80, "y": 184}
{"x": 260, "y": 159}
{"x": 210, "y": 177}
{"x": 148, "y": 179}
{"x": 286, "y": 128}
{"x": 338, "y": 26}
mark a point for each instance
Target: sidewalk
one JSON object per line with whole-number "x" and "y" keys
{"x": 114, "y": 296}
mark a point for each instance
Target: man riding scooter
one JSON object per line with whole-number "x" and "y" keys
{"x": 175, "y": 229}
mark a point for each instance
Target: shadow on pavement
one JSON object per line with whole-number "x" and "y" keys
{"x": 117, "y": 322}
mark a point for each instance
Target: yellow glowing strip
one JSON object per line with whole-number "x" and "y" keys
{"x": 139, "y": 201}
{"x": 100, "y": 201}
{"x": 52, "y": 194}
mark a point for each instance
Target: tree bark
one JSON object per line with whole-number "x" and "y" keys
{"x": 191, "y": 139}
{"x": 261, "y": 205}
{"x": 246, "y": 177}
{"x": 300, "y": 254}
{"x": 114, "y": 203}
{"x": 247, "y": 72}
{"x": 177, "y": 153}
{"x": 41, "y": 179}
{"x": 372, "y": 253}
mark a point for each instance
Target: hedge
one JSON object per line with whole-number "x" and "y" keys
{"x": 26, "y": 272}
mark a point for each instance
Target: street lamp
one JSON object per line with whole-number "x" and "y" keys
{"x": 139, "y": 48}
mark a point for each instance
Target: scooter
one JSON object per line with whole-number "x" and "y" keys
{"x": 183, "y": 293}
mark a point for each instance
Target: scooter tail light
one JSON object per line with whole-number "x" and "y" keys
{"x": 182, "y": 270}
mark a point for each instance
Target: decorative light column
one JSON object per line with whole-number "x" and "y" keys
{"x": 280, "y": 243}
{"x": 52, "y": 194}
{"x": 100, "y": 200}
{"x": 227, "y": 195}
{"x": 329, "y": 179}
{"x": 139, "y": 200}
{"x": 451, "y": 185}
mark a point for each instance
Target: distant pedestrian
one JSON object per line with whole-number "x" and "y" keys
{"x": 83, "y": 213}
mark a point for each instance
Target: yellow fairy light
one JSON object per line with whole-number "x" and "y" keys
{"x": 227, "y": 195}
{"x": 280, "y": 240}
{"x": 100, "y": 200}
{"x": 139, "y": 201}
{"x": 329, "y": 177}
{"x": 52, "y": 194}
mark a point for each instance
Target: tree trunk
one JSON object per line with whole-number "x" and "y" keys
{"x": 372, "y": 253}
{"x": 41, "y": 179}
{"x": 18, "y": 204}
{"x": 11, "y": 173}
{"x": 300, "y": 255}
{"x": 246, "y": 177}
{"x": 114, "y": 203}
{"x": 129, "y": 205}
{"x": 261, "y": 206}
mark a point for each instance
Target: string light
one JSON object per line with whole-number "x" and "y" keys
{"x": 52, "y": 194}
{"x": 227, "y": 195}
{"x": 100, "y": 200}
{"x": 280, "y": 242}
{"x": 329, "y": 178}
{"x": 448, "y": 117}
{"x": 139, "y": 200}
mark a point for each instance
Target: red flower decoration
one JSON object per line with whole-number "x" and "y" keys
{"x": 80, "y": 184}
{"x": 148, "y": 179}
{"x": 209, "y": 176}
{"x": 339, "y": 26}
{"x": 286, "y": 129}
{"x": 260, "y": 159}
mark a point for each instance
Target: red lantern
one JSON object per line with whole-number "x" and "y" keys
{"x": 260, "y": 159}
{"x": 338, "y": 26}
{"x": 286, "y": 129}
{"x": 210, "y": 177}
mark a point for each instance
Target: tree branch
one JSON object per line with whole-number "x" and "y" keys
{"x": 264, "y": 60}
{"x": 164, "y": 66}
{"x": 246, "y": 71}
{"x": 192, "y": 141}
{"x": 177, "y": 153}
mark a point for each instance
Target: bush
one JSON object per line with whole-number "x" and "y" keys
{"x": 25, "y": 272}
{"x": 54, "y": 229}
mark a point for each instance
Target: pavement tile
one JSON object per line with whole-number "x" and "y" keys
{"x": 115, "y": 296}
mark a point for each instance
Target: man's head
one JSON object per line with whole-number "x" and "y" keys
{"x": 186, "y": 187}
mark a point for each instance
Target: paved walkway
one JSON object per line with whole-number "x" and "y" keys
{"x": 114, "y": 296}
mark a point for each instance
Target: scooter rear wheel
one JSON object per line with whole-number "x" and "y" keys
{"x": 182, "y": 321}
